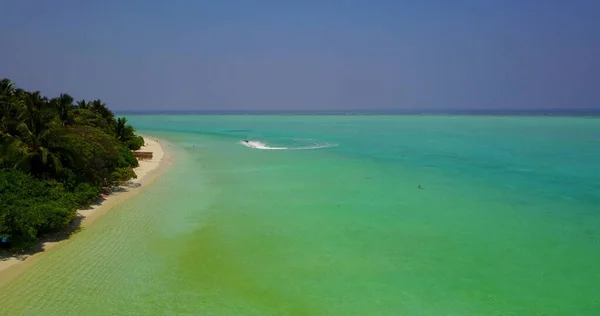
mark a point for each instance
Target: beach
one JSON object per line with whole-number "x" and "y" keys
{"x": 147, "y": 171}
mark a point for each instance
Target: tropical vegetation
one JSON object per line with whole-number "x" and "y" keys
{"x": 56, "y": 156}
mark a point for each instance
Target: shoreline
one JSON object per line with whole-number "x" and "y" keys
{"x": 147, "y": 172}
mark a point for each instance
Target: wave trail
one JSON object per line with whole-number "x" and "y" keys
{"x": 260, "y": 145}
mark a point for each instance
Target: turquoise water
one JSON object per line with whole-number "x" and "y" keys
{"x": 507, "y": 222}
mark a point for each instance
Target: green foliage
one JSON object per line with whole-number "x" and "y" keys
{"x": 55, "y": 157}
{"x": 135, "y": 143}
{"x": 31, "y": 206}
{"x": 97, "y": 152}
{"x": 126, "y": 134}
{"x": 120, "y": 175}
{"x": 85, "y": 194}
{"x": 126, "y": 158}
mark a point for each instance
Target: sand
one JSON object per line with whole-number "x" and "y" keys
{"x": 147, "y": 172}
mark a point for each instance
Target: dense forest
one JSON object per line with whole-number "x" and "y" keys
{"x": 56, "y": 156}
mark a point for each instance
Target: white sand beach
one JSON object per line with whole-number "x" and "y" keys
{"x": 147, "y": 172}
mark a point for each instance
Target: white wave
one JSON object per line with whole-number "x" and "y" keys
{"x": 315, "y": 146}
{"x": 260, "y": 145}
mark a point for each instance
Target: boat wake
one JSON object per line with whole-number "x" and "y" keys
{"x": 260, "y": 145}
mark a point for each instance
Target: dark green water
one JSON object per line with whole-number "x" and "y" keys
{"x": 507, "y": 222}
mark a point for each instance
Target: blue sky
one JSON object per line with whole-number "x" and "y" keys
{"x": 307, "y": 55}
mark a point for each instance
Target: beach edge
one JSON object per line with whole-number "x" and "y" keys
{"x": 147, "y": 172}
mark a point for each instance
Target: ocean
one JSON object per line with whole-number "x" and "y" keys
{"x": 342, "y": 215}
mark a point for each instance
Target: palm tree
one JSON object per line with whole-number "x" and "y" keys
{"x": 99, "y": 107}
{"x": 96, "y": 106}
{"x": 9, "y": 109}
{"x": 64, "y": 106}
{"x": 121, "y": 128}
{"x": 35, "y": 131}
{"x": 7, "y": 88}
{"x": 38, "y": 158}
{"x": 82, "y": 104}
{"x": 10, "y": 151}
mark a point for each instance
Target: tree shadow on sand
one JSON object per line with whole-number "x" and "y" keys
{"x": 125, "y": 187}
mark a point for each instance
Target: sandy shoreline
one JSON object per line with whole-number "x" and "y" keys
{"x": 147, "y": 172}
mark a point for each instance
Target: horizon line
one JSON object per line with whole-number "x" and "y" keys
{"x": 577, "y": 112}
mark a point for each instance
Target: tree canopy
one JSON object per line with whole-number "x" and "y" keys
{"x": 56, "y": 155}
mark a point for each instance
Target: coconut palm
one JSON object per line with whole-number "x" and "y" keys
{"x": 123, "y": 131}
{"x": 7, "y": 88}
{"x": 64, "y": 106}
{"x": 99, "y": 107}
{"x": 38, "y": 158}
{"x": 35, "y": 129}
{"x": 9, "y": 107}
{"x": 82, "y": 104}
{"x": 10, "y": 151}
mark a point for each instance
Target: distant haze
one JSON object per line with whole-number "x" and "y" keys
{"x": 275, "y": 55}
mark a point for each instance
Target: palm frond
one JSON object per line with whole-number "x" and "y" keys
{"x": 25, "y": 162}
{"x": 24, "y": 132}
{"x": 44, "y": 152}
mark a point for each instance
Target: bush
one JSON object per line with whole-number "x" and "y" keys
{"x": 120, "y": 175}
{"x": 98, "y": 153}
{"x": 126, "y": 158}
{"x": 135, "y": 143}
{"x": 85, "y": 194}
{"x": 29, "y": 207}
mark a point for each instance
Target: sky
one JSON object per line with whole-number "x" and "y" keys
{"x": 149, "y": 55}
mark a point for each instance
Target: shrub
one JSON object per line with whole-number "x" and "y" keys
{"x": 29, "y": 207}
{"x": 126, "y": 158}
{"x": 85, "y": 194}
{"x": 135, "y": 143}
{"x": 120, "y": 175}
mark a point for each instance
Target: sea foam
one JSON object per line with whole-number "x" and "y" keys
{"x": 260, "y": 145}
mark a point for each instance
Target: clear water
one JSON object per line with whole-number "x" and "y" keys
{"x": 507, "y": 222}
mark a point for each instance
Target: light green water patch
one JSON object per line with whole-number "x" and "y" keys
{"x": 313, "y": 250}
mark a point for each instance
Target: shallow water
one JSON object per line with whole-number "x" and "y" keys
{"x": 507, "y": 222}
